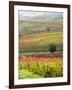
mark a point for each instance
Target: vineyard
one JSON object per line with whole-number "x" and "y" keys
{"x": 43, "y": 66}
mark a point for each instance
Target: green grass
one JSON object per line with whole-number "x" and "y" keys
{"x": 39, "y": 53}
{"x": 24, "y": 74}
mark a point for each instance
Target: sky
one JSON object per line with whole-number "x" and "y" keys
{"x": 28, "y": 15}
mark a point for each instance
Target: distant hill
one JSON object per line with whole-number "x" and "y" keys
{"x": 39, "y": 26}
{"x": 30, "y": 15}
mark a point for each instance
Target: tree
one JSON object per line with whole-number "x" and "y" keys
{"x": 52, "y": 47}
{"x": 48, "y": 29}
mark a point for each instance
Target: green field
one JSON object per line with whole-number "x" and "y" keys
{"x": 25, "y": 74}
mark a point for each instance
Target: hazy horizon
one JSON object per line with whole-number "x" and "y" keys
{"x": 42, "y": 15}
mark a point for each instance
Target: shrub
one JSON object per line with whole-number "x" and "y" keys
{"x": 52, "y": 48}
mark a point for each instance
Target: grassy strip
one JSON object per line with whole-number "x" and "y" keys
{"x": 40, "y": 53}
{"x": 24, "y": 74}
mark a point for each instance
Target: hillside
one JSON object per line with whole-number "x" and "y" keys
{"x": 35, "y": 27}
